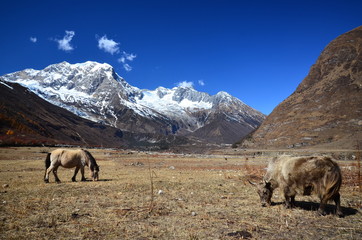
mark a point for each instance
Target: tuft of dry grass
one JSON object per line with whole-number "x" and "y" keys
{"x": 201, "y": 197}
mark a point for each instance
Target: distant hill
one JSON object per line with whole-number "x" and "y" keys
{"x": 326, "y": 108}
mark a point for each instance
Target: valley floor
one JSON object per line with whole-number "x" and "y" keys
{"x": 162, "y": 196}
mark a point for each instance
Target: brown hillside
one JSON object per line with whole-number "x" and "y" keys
{"x": 326, "y": 108}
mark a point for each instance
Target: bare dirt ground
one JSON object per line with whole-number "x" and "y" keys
{"x": 162, "y": 196}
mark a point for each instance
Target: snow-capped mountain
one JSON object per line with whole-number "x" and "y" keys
{"x": 94, "y": 91}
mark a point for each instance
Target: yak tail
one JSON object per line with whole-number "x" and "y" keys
{"x": 333, "y": 182}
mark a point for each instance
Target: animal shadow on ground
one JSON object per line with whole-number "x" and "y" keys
{"x": 313, "y": 206}
{"x": 99, "y": 180}
{"x": 240, "y": 235}
{"x": 104, "y": 180}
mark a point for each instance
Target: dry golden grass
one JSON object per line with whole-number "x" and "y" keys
{"x": 194, "y": 197}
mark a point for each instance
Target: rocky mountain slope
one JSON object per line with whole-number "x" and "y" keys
{"x": 95, "y": 92}
{"x": 326, "y": 108}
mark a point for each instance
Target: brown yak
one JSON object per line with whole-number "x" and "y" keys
{"x": 302, "y": 175}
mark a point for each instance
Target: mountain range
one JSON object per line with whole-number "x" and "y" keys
{"x": 95, "y": 92}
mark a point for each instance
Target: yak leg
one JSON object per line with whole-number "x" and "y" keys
{"x": 55, "y": 172}
{"x": 289, "y": 196}
{"x": 82, "y": 172}
{"x": 75, "y": 174}
{"x": 292, "y": 201}
{"x": 322, "y": 205}
{"x": 337, "y": 200}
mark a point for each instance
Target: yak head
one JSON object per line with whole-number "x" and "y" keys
{"x": 265, "y": 192}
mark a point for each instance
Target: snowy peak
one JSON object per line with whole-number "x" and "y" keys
{"x": 80, "y": 79}
{"x": 184, "y": 95}
{"x": 171, "y": 103}
{"x": 88, "y": 66}
{"x": 224, "y": 97}
{"x": 84, "y": 77}
{"x": 92, "y": 79}
{"x": 95, "y": 91}
{"x": 184, "y": 98}
{"x": 190, "y": 94}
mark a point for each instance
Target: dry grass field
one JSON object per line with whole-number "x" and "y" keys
{"x": 161, "y": 196}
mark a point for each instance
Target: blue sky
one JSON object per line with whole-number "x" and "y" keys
{"x": 258, "y": 51}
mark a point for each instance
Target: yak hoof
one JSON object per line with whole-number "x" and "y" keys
{"x": 322, "y": 212}
{"x": 288, "y": 206}
{"x": 46, "y": 180}
{"x": 340, "y": 214}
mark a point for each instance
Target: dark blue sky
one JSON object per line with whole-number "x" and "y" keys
{"x": 258, "y": 51}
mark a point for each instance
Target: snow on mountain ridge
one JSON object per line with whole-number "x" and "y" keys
{"x": 71, "y": 79}
{"x": 95, "y": 91}
{"x": 166, "y": 99}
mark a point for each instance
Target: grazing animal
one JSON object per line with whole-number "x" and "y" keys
{"x": 70, "y": 159}
{"x": 302, "y": 175}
